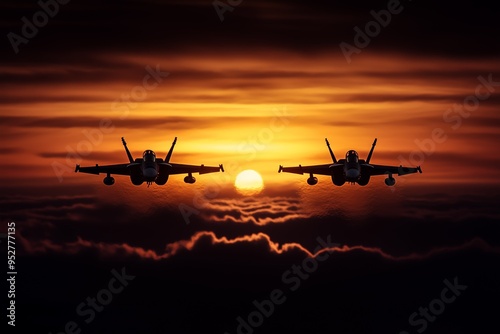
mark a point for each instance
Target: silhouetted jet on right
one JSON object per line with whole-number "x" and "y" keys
{"x": 351, "y": 169}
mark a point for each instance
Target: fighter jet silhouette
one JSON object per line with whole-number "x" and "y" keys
{"x": 149, "y": 169}
{"x": 351, "y": 169}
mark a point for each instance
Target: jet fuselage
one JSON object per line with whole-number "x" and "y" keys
{"x": 149, "y": 167}
{"x": 352, "y": 169}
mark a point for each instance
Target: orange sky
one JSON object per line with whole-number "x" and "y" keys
{"x": 250, "y": 112}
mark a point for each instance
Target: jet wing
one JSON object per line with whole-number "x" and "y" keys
{"x": 120, "y": 169}
{"x": 327, "y": 169}
{"x": 172, "y": 169}
{"x": 399, "y": 170}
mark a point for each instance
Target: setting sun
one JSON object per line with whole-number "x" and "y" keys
{"x": 249, "y": 182}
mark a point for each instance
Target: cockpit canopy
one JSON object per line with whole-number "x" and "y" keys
{"x": 351, "y": 156}
{"x": 149, "y": 156}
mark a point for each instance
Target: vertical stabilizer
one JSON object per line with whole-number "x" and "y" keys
{"x": 169, "y": 154}
{"x": 371, "y": 151}
{"x": 331, "y": 152}
{"x": 130, "y": 158}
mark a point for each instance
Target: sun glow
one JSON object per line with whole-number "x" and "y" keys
{"x": 249, "y": 182}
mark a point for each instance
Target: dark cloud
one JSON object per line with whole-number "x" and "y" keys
{"x": 444, "y": 28}
{"x": 207, "y": 239}
{"x": 101, "y": 71}
{"x": 178, "y": 123}
{"x": 383, "y": 268}
{"x": 209, "y": 287}
{"x": 420, "y": 221}
{"x": 9, "y": 150}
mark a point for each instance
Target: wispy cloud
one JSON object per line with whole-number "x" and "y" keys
{"x": 261, "y": 211}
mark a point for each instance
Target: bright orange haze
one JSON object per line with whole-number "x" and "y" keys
{"x": 249, "y": 113}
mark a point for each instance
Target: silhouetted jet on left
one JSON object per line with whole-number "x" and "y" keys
{"x": 149, "y": 169}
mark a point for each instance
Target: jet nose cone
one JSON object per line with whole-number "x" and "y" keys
{"x": 352, "y": 173}
{"x": 150, "y": 173}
